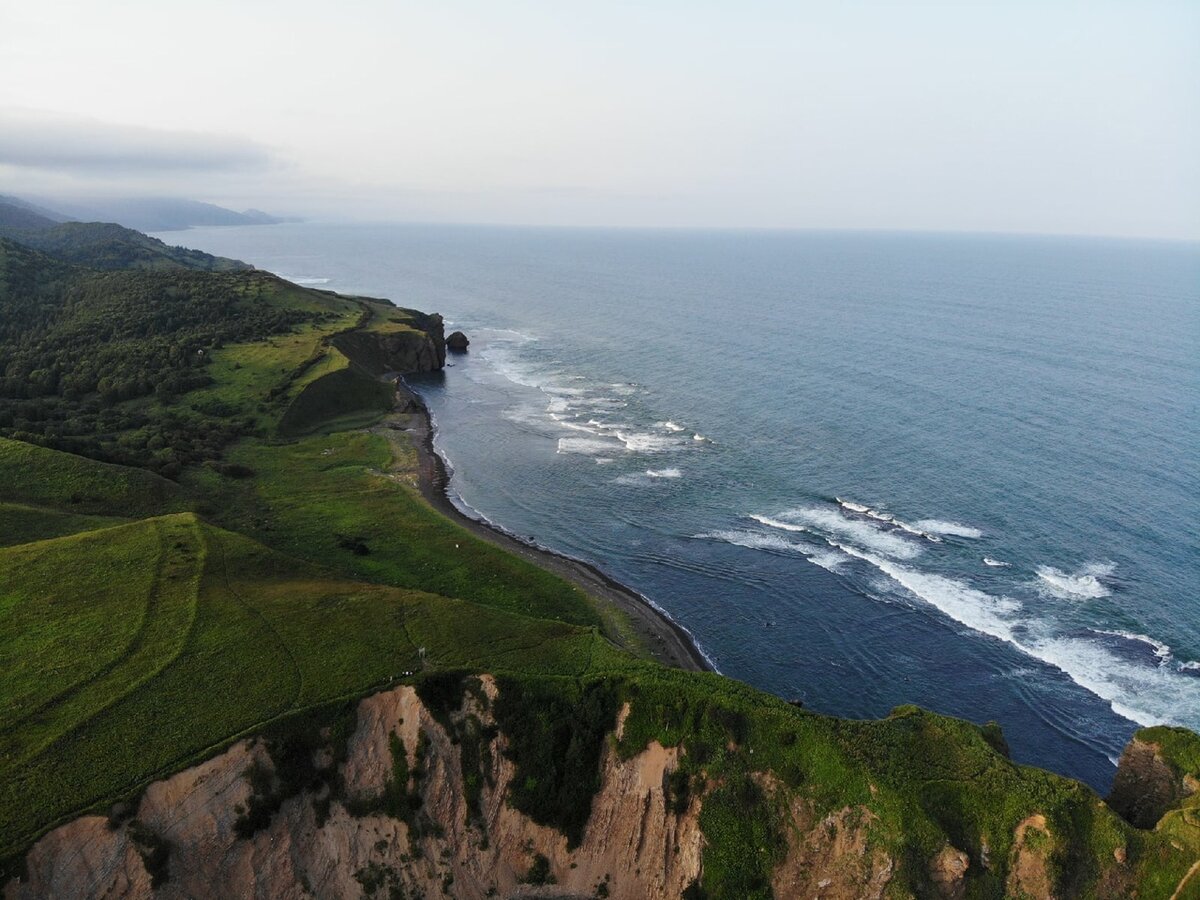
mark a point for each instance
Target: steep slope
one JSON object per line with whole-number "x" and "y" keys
{"x": 432, "y": 788}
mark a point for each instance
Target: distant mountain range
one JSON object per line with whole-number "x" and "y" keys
{"x": 144, "y": 214}
{"x": 99, "y": 245}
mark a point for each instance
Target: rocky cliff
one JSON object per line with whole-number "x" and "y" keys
{"x": 418, "y": 347}
{"x": 413, "y": 801}
{"x": 190, "y": 835}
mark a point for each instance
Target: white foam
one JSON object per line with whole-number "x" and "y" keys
{"x": 305, "y": 279}
{"x": 700, "y": 437}
{"x": 997, "y": 563}
{"x": 1148, "y": 695}
{"x": 1144, "y": 694}
{"x": 669, "y": 425}
{"x": 833, "y": 524}
{"x": 585, "y": 446}
{"x": 1084, "y": 584}
{"x": 664, "y": 473}
{"x": 575, "y": 426}
{"x": 643, "y": 442}
{"x": 964, "y": 604}
{"x": 950, "y": 529}
{"x": 751, "y": 540}
{"x": 880, "y": 516}
{"x": 1161, "y": 650}
{"x": 830, "y": 560}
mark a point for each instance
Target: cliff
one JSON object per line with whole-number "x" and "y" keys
{"x": 420, "y": 797}
{"x": 407, "y": 342}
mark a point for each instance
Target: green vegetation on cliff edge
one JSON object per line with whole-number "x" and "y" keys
{"x": 209, "y": 530}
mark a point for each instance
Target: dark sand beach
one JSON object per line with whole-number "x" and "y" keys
{"x": 669, "y": 643}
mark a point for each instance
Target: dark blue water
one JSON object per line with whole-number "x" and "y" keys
{"x": 863, "y": 469}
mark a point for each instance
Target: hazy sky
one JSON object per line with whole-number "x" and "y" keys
{"x": 1011, "y": 116}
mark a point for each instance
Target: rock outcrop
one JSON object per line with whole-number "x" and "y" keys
{"x": 457, "y": 342}
{"x": 635, "y": 845}
{"x": 1147, "y": 785}
{"x": 421, "y": 348}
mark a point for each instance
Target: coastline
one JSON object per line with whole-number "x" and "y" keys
{"x": 668, "y": 642}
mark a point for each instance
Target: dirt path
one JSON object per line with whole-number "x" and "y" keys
{"x": 668, "y": 642}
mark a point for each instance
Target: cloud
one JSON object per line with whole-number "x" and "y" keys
{"x": 88, "y": 147}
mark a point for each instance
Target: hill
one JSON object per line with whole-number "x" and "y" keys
{"x": 15, "y": 213}
{"x": 154, "y": 213}
{"x": 101, "y": 245}
{"x": 243, "y": 656}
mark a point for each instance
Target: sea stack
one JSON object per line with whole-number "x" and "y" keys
{"x": 457, "y": 342}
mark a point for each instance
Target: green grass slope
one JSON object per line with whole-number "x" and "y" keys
{"x": 140, "y": 648}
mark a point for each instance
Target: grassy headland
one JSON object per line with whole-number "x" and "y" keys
{"x": 213, "y": 526}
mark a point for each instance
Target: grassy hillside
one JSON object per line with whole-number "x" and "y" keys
{"x": 267, "y": 559}
{"x": 141, "y": 647}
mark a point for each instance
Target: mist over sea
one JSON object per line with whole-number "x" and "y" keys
{"x": 862, "y": 469}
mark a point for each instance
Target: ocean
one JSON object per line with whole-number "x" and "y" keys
{"x": 862, "y": 469}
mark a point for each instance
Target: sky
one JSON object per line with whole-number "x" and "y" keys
{"x": 1046, "y": 117}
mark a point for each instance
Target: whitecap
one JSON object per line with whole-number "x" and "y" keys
{"x": 830, "y": 560}
{"x": 669, "y": 425}
{"x": 700, "y": 437}
{"x": 964, "y": 604}
{"x": 1161, "y": 650}
{"x": 830, "y": 523}
{"x": 642, "y": 442}
{"x": 950, "y": 529}
{"x": 996, "y": 563}
{"x": 1085, "y": 584}
{"x": 664, "y": 473}
{"x": 584, "y": 446}
{"x": 888, "y": 518}
{"x": 751, "y": 540}
{"x": 1190, "y": 668}
{"x": 1146, "y": 694}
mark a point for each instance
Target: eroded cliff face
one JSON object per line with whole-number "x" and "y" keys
{"x": 1146, "y": 786}
{"x": 634, "y": 845}
{"x": 421, "y": 348}
{"x": 392, "y": 816}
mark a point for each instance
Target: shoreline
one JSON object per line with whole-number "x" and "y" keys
{"x": 668, "y": 642}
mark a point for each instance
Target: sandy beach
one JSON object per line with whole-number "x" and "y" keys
{"x": 669, "y": 643}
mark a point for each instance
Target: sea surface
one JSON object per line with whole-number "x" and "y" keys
{"x": 862, "y": 469}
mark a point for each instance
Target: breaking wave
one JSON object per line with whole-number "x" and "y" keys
{"x": 949, "y": 529}
{"x": 585, "y": 446}
{"x": 1086, "y": 584}
{"x": 830, "y": 523}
